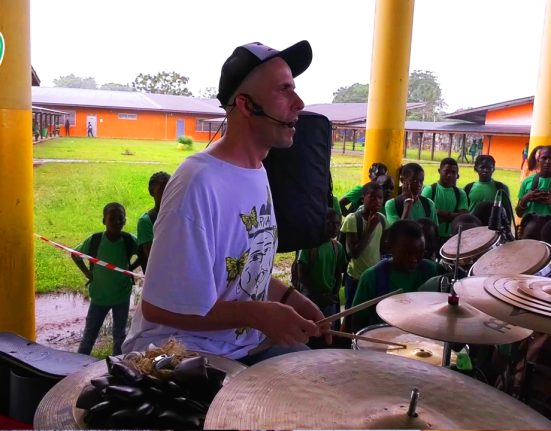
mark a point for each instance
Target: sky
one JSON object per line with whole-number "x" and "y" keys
{"x": 482, "y": 51}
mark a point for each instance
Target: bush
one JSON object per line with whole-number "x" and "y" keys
{"x": 185, "y": 143}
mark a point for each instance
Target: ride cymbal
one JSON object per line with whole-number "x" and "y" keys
{"x": 428, "y": 314}
{"x": 347, "y": 389}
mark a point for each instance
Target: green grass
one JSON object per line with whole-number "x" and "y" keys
{"x": 69, "y": 198}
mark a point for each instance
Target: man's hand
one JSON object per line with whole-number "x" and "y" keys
{"x": 283, "y": 325}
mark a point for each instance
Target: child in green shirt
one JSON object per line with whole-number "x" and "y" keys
{"x": 406, "y": 270}
{"x": 109, "y": 290}
{"x": 534, "y": 195}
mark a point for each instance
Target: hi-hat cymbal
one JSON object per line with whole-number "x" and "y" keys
{"x": 57, "y": 409}
{"x": 347, "y": 389}
{"x": 473, "y": 291}
{"x": 428, "y": 314}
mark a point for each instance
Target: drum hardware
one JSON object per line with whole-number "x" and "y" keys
{"x": 413, "y": 403}
{"x": 360, "y": 337}
{"x": 496, "y": 221}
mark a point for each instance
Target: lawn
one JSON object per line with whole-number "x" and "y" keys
{"x": 69, "y": 197}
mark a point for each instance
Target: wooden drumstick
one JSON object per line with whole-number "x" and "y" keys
{"x": 357, "y": 308}
{"x": 361, "y": 337}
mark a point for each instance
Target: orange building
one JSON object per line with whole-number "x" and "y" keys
{"x": 514, "y": 117}
{"x": 125, "y": 114}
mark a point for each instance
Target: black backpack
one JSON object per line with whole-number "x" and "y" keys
{"x": 96, "y": 239}
{"x": 152, "y": 213}
{"x": 299, "y": 179}
{"x": 399, "y": 204}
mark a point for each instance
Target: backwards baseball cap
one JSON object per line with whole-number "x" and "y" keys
{"x": 246, "y": 57}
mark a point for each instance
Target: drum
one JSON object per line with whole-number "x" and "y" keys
{"x": 525, "y": 256}
{"x": 475, "y": 242}
{"x": 418, "y": 348}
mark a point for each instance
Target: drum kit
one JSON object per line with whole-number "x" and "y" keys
{"x": 397, "y": 376}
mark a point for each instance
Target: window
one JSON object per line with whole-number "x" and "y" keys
{"x": 201, "y": 125}
{"x": 125, "y": 116}
{"x": 71, "y": 115}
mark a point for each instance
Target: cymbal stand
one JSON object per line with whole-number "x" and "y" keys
{"x": 453, "y": 299}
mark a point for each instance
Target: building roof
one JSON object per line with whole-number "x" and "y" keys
{"x": 35, "y": 80}
{"x": 478, "y": 115}
{"x": 346, "y": 113}
{"x": 124, "y": 100}
{"x": 40, "y": 109}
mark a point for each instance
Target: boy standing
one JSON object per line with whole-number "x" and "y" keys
{"x": 449, "y": 200}
{"x": 157, "y": 184}
{"x": 320, "y": 269}
{"x": 534, "y": 195}
{"x": 406, "y": 270}
{"x": 109, "y": 290}
{"x": 364, "y": 232}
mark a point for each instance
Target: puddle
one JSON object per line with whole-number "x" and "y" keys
{"x": 60, "y": 319}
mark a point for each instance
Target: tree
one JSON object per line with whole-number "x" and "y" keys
{"x": 113, "y": 86}
{"x": 355, "y": 93}
{"x": 208, "y": 93}
{"x": 162, "y": 83}
{"x": 72, "y": 81}
{"x": 424, "y": 87}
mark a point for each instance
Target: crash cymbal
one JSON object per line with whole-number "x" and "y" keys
{"x": 57, "y": 409}
{"x": 428, "y": 314}
{"x": 472, "y": 290}
{"x": 417, "y": 348}
{"x": 347, "y": 389}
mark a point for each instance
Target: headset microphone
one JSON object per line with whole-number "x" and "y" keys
{"x": 257, "y": 110}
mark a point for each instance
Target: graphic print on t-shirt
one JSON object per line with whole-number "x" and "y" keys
{"x": 250, "y": 273}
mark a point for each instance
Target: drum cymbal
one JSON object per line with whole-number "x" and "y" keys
{"x": 473, "y": 291}
{"x": 429, "y": 315}
{"x": 473, "y": 241}
{"x": 347, "y": 389}
{"x": 57, "y": 409}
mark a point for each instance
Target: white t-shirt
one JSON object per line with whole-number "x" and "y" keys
{"x": 215, "y": 239}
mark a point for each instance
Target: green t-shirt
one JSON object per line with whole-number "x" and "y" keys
{"x": 444, "y": 199}
{"x": 417, "y": 212}
{"x": 371, "y": 254}
{"x": 535, "y": 207}
{"x": 109, "y": 287}
{"x": 145, "y": 229}
{"x": 398, "y": 279}
{"x": 483, "y": 192}
{"x": 327, "y": 260}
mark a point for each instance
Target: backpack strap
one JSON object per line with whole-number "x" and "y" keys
{"x": 468, "y": 189}
{"x": 128, "y": 245}
{"x": 457, "y": 198}
{"x": 535, "y": 182}
{"x": 426, "y": 205}
{"x": 433, "y": 191}
{"x": 382, "y": 277}
{"x": 94, "y": 246}
{"x": 359, "y": 223}
{"x": 382, "y": 220}
{"x": 399, "y": 204}
{"x": 152, "y": 213}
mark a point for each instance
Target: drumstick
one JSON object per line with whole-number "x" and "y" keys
{"x": 361, "y": 337}
{"x": 357, "y": 308}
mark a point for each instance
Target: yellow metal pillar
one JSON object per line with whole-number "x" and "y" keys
{"x": 386, "y": 109}
{"x": 540, "y": 133}
{"x": 16, "y": 172}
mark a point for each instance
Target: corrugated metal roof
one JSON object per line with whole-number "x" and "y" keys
{"x": 345, "y": 113}
{"x": 478, "y": 115}
{"x": 46, "y": 110}
{"x": 124, "y": 100}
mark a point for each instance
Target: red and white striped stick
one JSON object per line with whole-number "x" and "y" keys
{"x": 90, "y": 258}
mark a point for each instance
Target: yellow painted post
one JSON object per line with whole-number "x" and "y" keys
{"x": 386, "y": 109}
{"x": 16, "y": 172}
{"x": 540, "y": 133}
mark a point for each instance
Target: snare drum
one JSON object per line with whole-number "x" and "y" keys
{"x": 525, "y": 256}
{"x": 475, "y": 242}
{"x": 418, "y": 348}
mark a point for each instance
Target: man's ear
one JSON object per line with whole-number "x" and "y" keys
{"x": 243, "y": 104}
{"x": 103, "y": 220}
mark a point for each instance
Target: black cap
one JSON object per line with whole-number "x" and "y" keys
{"x": 246, "y": 57}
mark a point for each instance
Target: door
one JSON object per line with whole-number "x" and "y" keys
{"x": 180, "y": 128}
{"x": 93, "y": 120}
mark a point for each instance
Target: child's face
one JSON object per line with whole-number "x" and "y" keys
{"x": 373, "y": 201}
{"x": 485, "y": 170}
{"x": 157, "y": 191}
{"x": 431, "y": 241}
{"x": 544, "y": 160}
{"x": 448, "y": 175}
{"x": 114, "y": 220}
{"x": 407, "y": 253}
{"x": 332, "y": 225}
{"x": 413, "y": 183}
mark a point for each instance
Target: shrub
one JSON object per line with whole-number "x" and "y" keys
{"x": 185, "y": 143}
